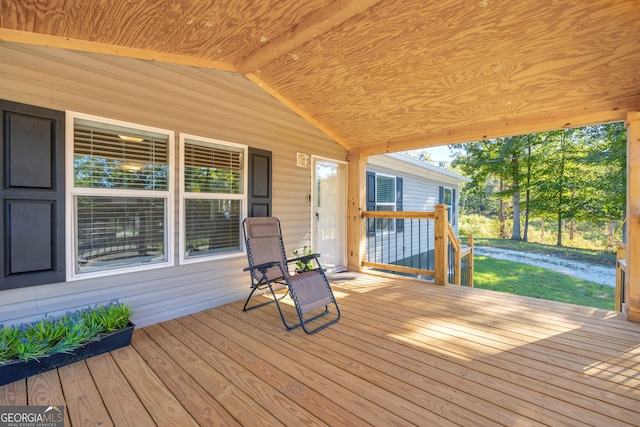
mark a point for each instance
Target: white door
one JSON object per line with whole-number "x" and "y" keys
{"x": 329, "y": 213}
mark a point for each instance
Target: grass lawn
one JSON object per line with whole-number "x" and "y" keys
{"x": 522, "y": 279}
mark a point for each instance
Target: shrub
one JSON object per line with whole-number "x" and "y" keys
{"x": 49, "y": 335}
{"x": 587, "y": 235}
{"x": 478, "y": 226}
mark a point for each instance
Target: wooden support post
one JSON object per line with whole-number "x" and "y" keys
{"x": 632, "y": 276}
{"x": 471, "y": 255}
{"x": 440, "y": 255}
{"x": 357, "y": 203}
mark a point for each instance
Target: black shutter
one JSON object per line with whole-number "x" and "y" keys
{"x": 371, "y": 202}
{"x": 399, "y": 221}
{"x": 453, "y": 207}
{"x": 32, "y": 232}
{"x": 441, "y": 194}
{"x": 260, "y": 194}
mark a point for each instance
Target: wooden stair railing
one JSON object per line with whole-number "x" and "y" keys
{"x": 459, "y": 252}
{"x": 393, "y": 215}
{"x": 442, "y": 234}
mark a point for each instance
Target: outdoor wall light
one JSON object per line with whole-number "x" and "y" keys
{"x": 302, "y": 160}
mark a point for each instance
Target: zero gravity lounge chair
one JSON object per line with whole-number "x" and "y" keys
{"x": 268, "y": 265}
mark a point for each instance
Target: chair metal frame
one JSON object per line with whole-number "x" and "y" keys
{"x": 260, "y": 281}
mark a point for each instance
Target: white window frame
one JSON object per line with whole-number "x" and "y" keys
{"x": 184, "y": 195}
{"x": 392, "y": 222}
{"x": 72, "y": 192}
{"x": 450, "y": 207}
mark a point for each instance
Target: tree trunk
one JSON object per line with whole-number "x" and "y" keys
{"x": 610, "y": 234}
{"x": 525, "y": 236}
{"x": 528, "y": 196}
{"x": 571, "y": 229}
{"x": 515, "y": 233}
{"x": 542, "y": 230}
{"x": 559, "y": 241}
{"x": 561, "y": 191}
{"x": 501, "y": 214}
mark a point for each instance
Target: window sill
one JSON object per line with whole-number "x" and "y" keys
{"x": 216, "y": 257}
{"x": 117, "y": 271}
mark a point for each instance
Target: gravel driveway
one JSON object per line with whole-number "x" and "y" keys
{"x": 594, "y": 273}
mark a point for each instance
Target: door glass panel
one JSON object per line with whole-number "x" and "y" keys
{"x": 330, "y": 237}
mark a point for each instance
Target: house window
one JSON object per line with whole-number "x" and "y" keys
{"x": 448, "y": 197}
{"x": 384, "y": 193}
{"x": 121, "y": 196}
{"x": 385, "y": 200}
{"x": 213, "y": 189}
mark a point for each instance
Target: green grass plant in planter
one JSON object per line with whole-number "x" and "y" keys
{"x": 78, "y": 335}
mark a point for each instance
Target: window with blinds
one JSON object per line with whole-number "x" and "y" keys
{"x": 385, "y": 200}
{"x": 212, "y": 226}
{"x": 448, "y": 199}
{"x": 119, "y": 231}
{"x": 121, "y": 195}
{"x": 214, "y": 197}
{"x": 385, "y": 190}
{"x": 111, "y": 156}
{"x": 212, "y": 168}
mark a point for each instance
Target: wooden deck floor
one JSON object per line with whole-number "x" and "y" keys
{"x": 404, "y": 353}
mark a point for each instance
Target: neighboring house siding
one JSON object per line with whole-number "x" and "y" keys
{"x": 419, "y": 194}
{"x": 209, "y": 103}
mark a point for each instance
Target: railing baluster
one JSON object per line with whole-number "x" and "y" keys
{"x": 411, "y": 245}
{"x": 396, "y": 241}
{"x": 384, "y": 252}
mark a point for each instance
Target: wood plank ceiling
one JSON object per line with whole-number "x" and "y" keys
{"x": 379, "y": 76}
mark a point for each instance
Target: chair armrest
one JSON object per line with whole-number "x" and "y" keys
{"x": 261, "y": 266}
{"x": 304, "y": 258}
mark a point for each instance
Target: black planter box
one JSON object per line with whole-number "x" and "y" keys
{"x": 20, "y": 369}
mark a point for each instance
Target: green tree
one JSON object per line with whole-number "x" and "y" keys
{"x": 498, "y": 159}
{"x": 478, "y": 197}
{"x": 607, "y": 155}
{"x": 575, "y": 179}
{"x": 564, "y": 175}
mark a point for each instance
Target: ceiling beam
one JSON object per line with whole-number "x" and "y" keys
{"x": 315, "y": 25}
{"x": 254, "y": 78}
{"x": 605, "y": 112}
{"x": 36, "y": 39}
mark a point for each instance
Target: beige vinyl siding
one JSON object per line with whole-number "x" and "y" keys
{"x": 203, "y": 102}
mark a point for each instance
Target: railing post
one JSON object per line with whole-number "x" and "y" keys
{"x": 440, "y": 256}
{"x": 457, "y": 267}
{"x": 470, "y": 265}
